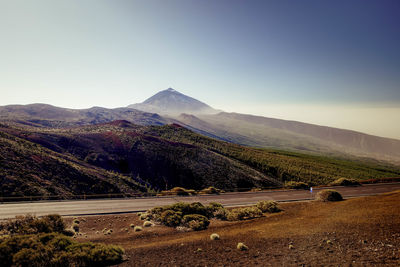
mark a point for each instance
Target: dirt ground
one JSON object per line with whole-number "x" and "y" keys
{"x": 356, "y": 232}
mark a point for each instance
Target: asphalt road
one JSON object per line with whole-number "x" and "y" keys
{"x": 110, "y": 206}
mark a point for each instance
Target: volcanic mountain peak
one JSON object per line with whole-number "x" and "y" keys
{"x": 172, "y": 102}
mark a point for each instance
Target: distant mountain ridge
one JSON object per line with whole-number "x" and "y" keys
{"x": 292, "y": 135}
{"x": 51, "y": 116}
{"x": 172, "y": 102}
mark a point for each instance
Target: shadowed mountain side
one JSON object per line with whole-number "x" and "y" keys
{"x": 172, "y": 102}
{"x": 127, "y": 149}
{"x": 124, "y": 157}
{"x": 30, "y": 169}
{"x": 51, "y": 116}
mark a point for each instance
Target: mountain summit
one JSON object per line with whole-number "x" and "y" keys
{"x": 172, "y": 102}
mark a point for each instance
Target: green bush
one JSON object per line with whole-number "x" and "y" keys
{"x": 296, "y": 185}
{"x": 211, "y": 190}
{"x": 171, "y": 218}
{"x": 29, "y": 224}
{"x": 213, "y": 207}
{"x": 221, "y": 214}
{"x": 345, "y": 182}
{"x": 185, "y": 209}
{"x": 178, "y": 191}
{"x": 195, "y": 221}
{"x": 54, "y": 249}
{"x": 244, "y": 214}
{"x": 268, "y": 206}
{"x": 172, "y": 215}
{"x": 329, "y": 195}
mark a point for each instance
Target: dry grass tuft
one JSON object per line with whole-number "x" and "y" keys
{"x": 242, "y": 246}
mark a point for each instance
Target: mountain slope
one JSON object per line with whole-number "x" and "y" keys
{"x": 171, "y": 102}
{"x": 268, "y": 132}
{"x": 291, "y": 135}
{"x": 51, "y": 116}
{"x": 120, "y": 157}
{"x": 30, "y": 169}
{"x": 118, "y": 148}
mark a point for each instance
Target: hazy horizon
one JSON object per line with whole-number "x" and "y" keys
{"x": 328, "y": 63}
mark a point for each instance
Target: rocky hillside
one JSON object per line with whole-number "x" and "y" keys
{"x": 121, "y": 157}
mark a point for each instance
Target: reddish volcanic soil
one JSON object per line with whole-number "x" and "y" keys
{"x": 356, "y": 232}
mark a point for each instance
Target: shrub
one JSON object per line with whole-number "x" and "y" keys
{"x": 296, "y": 185}
{"x": 213, "y": 207}
{"x": 178, "y": 191}
{"x": 197, "y": 208}
{"x": 221, "y": 214}
{"x": 345, "y": 182}
{"x": 241, "y": 246}
{"x": 137, "y": 229}
{"x": 195, "y": 221}
{"x": 89, "y": 254}
{"x": 144, "y": 216}
{"x": 211, "y": 190}
{"x": 29, "y": 224}
{"x": 75, "y": 227}
{"x": 53, "y": 249}
{"x": 147, "y": 224}
{"x": 190, "y": 208}
{"x": 171, "y": 218}
{"x": 155, "y": 213}
{"x": 68, "y": 232}
{"x": 268, "y": 206}
{"x": 244, "y": 214}
{"x": 131, "y": 225}
{"x": 214, "y": 236}
{"x": 329, "y": 195}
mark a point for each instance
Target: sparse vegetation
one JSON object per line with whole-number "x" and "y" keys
{"x": 178, "y": 191}
{"x": 171, "y": 218}
{"x": 32, "y": 241}
{"x": 345, "y": 182}
{"x": 195, "y": 222}
{"x": 137, "y": 229}
{"x": 214, "y": 236}
{"x": 248, "y": 213}
{"x": 241, "y": 246}
{"x": 269, "y": 206}
{"x": 147, "y": 224}
{"x": 221, "y": 214}
{"x": 191, "y": 215}
{"x": 29, "y": 224}
{"x": 296, "y": 185}
{"x": 329, "y": 195}
{"x": 211, "y": 190}
{"x": 214, "y": 206}
{"x": 75, "y": 227}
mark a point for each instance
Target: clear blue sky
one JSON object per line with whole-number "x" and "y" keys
{"x": 249, "y": 56}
